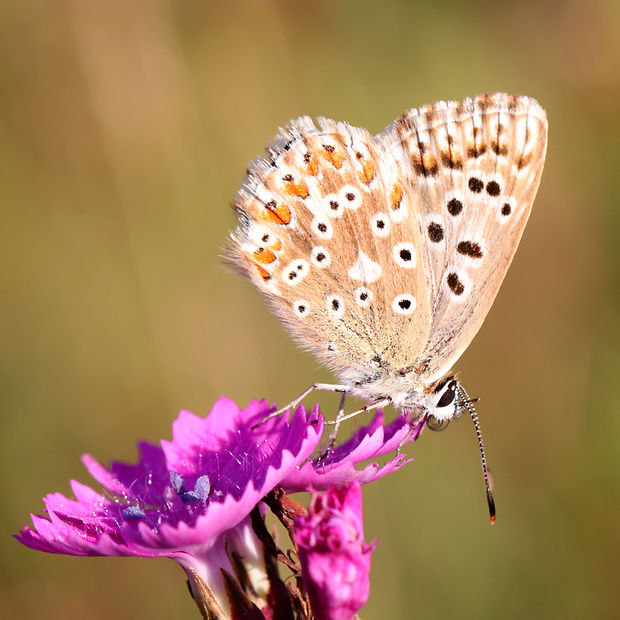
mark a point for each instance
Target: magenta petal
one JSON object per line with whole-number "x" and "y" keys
{"x": 335, "y": 559}
{"x": 369, "y": 442}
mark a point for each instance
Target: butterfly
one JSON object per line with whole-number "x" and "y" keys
{"x": 383, "y": 254}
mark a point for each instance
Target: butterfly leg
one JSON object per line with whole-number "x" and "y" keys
{"x": 376, "y": 405}
{"x": 413, "y": 426}
{"x": 332, "y": 438}
{"x": 327, "y": 387}
{"x": 340, "y": 417}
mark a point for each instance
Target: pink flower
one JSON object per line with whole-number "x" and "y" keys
{"x": 335, "y": 559}
{"x": 200, "y": 499}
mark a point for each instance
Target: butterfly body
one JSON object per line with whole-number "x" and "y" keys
{"x": 383, "y": 254}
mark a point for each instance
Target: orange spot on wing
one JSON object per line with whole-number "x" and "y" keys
{"x": 296, "y": 189}
{"x": 263, "y": 273}
{"x": 424, "y": 164}
{"x": 276, "y": 246}
{"x": 312, "y": 167}
{"x": 396, "y": 195}
{"x": 264, "y": 256}
{"x": 368, "y": 172}
{"x": 334, "y": 156}
{"x": 276, "y": 213}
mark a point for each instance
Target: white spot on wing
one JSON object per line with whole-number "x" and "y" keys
{"x": 350, "y": 197}
{"x": 335, "y": 306}
{"x": 332, "y": 205}
{"x": 380, "y": 224}
{"x": 404, "y": 304}
{"x": 320, "y": 257}
{"x": 295, "y": 271}
{"x": 363, "y": 296}
{"x": 321, "y": 227}
{"x": 365, "y": 269}
{"x": 302, "y": 308}
{"x": 404, "y": 255}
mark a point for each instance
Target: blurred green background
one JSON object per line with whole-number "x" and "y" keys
{"x": 125, "y": 130}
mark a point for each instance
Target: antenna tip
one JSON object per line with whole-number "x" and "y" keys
{"x": 491, "y": 503}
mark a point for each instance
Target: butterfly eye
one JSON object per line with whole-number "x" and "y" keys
{"x": 437, "y": 425}
{"x": 446, "y": 398}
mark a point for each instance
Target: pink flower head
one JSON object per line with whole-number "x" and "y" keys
{"x": 200, "y": 499}
{"x": 188, "y": 499}
{"x": 334, "y": 558}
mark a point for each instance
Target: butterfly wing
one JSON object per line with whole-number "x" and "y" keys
{"x": 473, "y": 169}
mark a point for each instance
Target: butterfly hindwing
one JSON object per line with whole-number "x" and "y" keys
{"x": 474, "y": 170}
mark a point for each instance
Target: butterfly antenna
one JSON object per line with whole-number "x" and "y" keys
{"x": 468, "y": 403}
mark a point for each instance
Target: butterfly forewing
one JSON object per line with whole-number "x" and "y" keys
{"x": 303, "y": 244}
